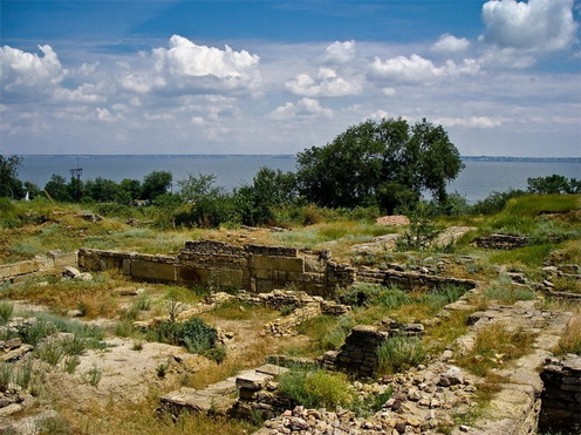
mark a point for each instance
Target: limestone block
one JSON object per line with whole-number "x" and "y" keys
{"x": 252, "y": 380}
{"x": 153, "y": 271}
{"x": 287, "y": 264}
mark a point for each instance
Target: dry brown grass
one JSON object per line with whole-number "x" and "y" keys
{"x": 571, "y": 339}
{"x": 141, "y": 418}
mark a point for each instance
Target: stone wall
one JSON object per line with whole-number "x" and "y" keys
{"x": 254, "y": 268}
{"x": 41, "y": 263}
{"x": 359, "y": 353}
{"x": 561, "y": 396}
{"x": 501, "y": 241}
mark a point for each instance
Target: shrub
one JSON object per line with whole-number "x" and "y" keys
{"x": 400, "y": 353}
{"x": 359, "y": 294}
{"x": 422, "y": 229}
{"x": 317, "y": 389}
{"x": 6, "y": 310}
{"x": 495, "y": 202}
{"x": 194, "y": 334}
{"x": 571, "y": 339}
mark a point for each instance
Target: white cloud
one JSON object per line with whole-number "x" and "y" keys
{"x": 86, "y": 93}
{"x": 329, "y": 84}
{"x": 29, "y": 73}
{"x": 106, "y": 116}
{"x": 305, "y": 108}
{"x": 388, "y": 92}
{"x": 450, "y": 44}
{"x": 482, "y": 122}
{"x": 539, "y": 25}
{"x": 378, "y": 115}
{"x": 340, "y": 52}
{"x": 185, "y": 64}
{"x": 416, "y": 69}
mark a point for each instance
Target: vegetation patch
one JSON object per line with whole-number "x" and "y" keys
{"x": 494, "y": 346}
{"x": 400, "y": 353}
{"x": 317, "y": 389}
{"x": 194, "y": 334}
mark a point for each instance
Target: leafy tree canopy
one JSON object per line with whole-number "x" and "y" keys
{"x": 387, "y": 163}
{"x": 156, "y": 183}
{"x": 10, "y": 185}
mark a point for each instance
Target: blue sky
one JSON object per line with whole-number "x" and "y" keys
{"x": 199, "y": 77}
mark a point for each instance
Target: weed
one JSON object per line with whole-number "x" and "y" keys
{"x": 34, "y": 333}
{"x": 507, "y": 293}
{"x": 494, "y": 346}
{"x": 124, "y": 328}
{"x": 400, "y": 353}
{"x": 50, "y": 351}
{"x": 71, "y": 363}
{"x": 74, "y": 345}
{"x": 317, "y": 389}
{"x": 571, "y": 339}
{"x": 53, "y": 426}
{"x": 137, "y": 345}
{"x": 161, "y": 370}
{"x": 92, "y": 376}
{"x": 6, "y": 375}
{"x": 6, "y": 310}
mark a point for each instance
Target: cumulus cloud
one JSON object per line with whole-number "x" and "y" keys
{"x": 539, "y": 25}
{"x": 305, "y": 108}
{"x": 185, "y": 67}
{"x": 86, "y": 93}
{"x": 340, "y": 52}
{"x": 416, "y": 69}
{"x": 450, "y": 44}
{"x": 106, "y": 116}
{"x": 482, "y": 122}
{"x": 186, "y": 64}
{"x": 328, "y": 84}
{"x": 29, "y": 73}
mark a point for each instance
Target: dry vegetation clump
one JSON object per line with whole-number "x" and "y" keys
{"x": 494, "y": 346}
{"x": 571, "y": 339}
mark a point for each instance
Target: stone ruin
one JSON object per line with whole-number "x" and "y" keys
{"x": 253, "y": 268}
{"x": 561, "y": 396}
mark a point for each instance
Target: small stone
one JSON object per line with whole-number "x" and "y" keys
{"x": 464, "y": 428}
{"x": 71, "y": 272}
{"x": 400, "y": 427}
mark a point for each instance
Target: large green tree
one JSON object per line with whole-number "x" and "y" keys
{"x": 387, "y": 163}
{"x": 156, "y": 183}
{"x": 10, "y": 185}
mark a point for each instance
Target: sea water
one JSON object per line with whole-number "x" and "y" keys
{"x": 479, "y": 178}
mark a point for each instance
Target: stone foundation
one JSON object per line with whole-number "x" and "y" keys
{"x": 254, "y": 268}
{"x": 561, "y": 396}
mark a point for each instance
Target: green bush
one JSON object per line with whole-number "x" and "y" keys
{"x": 400, "y": 353}
{"x": 318, "y": 389}
{"x": 360, "y": 294}
{"x": 6, "y": 310}
{"x": 194, "y": 334}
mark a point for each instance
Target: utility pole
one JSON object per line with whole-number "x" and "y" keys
{"x": 76, "y": 176}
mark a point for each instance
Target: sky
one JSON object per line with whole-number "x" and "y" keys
{"x": 275, "y": 77}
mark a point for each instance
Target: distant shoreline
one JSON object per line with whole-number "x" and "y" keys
{"x": 293, "y": 156}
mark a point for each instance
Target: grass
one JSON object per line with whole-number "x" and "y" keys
{"x": 494, "y": 346}
{"x": 529, "y": 256}
{"x": 571, "y": 339}
{"x": 6, "y": 311}
{"x": 317, "y": 389}
{"x": 400, "y": 353}
{"x": 503, "y": 291}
